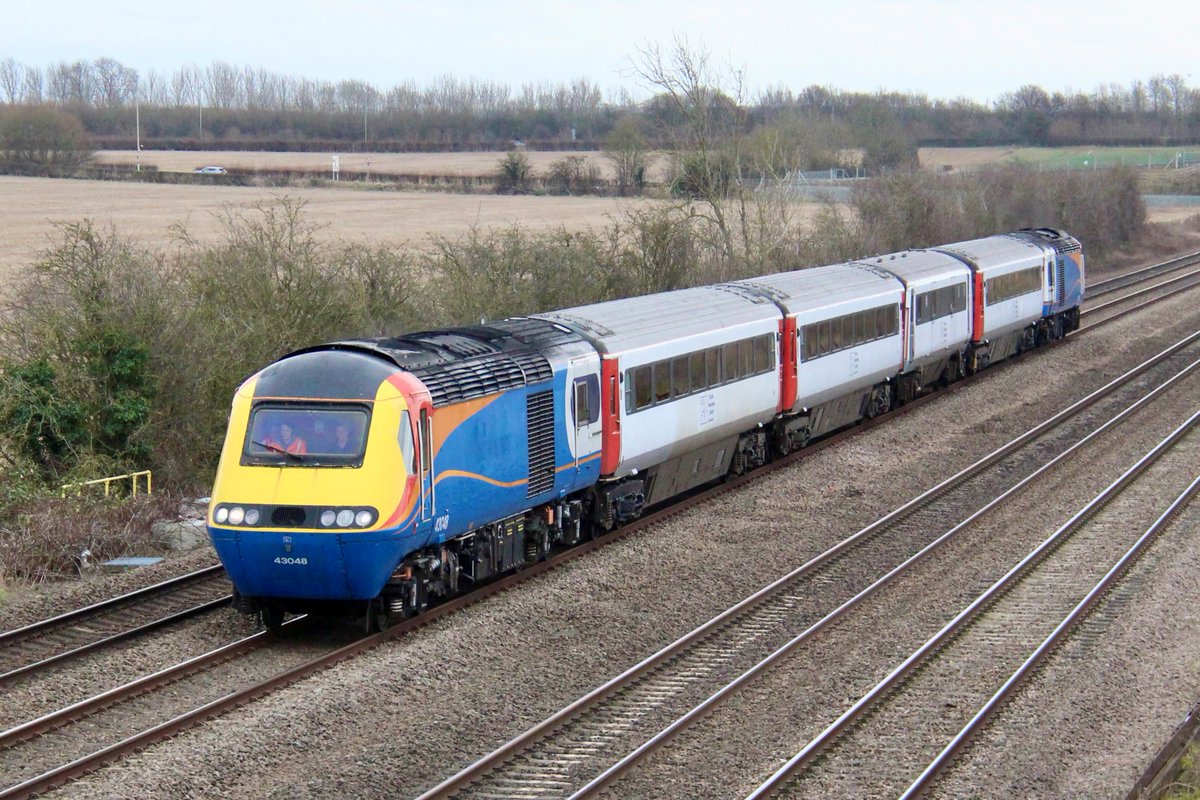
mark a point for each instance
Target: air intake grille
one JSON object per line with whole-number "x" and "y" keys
{"x": 539, "y": 411}
{"x": 478, "y": 377}
{"x": 288, "y": 517}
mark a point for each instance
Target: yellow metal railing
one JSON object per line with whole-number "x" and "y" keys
{"x": 132, "y": 477}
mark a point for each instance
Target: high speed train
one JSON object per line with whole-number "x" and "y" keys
{"x": 380, "y": 474}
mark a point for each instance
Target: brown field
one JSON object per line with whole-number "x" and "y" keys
{"x": 351, "y": 164}
{"x": 34, "y": 207}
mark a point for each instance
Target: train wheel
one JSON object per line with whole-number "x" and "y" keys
{"x": 271, "y": 616}
{"x": 379, "y": 616}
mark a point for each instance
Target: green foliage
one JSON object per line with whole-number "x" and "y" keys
{"x": 37, "y": 139}
{"x": 45, "y": 427}
{"x": 514, "y": 174}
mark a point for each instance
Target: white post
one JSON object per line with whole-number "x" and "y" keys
{"x": 137, "y": 122}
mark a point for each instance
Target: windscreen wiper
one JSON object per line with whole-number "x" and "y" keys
{"x": 278, "y": 449}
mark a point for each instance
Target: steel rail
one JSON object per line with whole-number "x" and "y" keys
{"x": 931, "y": 645}
{"x": 1145, "y": 290}
{"x": 116, "y": 637}
{"x": 1100, "y": 288}
{"x": 111, "y": 603}
{"x": 960, "y": 740}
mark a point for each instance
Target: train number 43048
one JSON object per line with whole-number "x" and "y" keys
{"x": 289, "y": 560}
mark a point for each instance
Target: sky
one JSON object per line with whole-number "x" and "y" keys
{"x": 940, "y": 48}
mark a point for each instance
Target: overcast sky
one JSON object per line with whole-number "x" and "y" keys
{"x": 942, "y": 48}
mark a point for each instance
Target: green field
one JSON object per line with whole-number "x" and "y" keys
{"x": 1098, "y": 157}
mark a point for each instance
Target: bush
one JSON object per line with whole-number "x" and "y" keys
{"x": 1102, "y": 208}
{"x": 514, "y": 174}
{"x": 40, "y": 139}
{"x": 46, "y": 539}
{"x": 573, "y": 175}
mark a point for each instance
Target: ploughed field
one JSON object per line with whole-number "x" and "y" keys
{"x": 34, "y": 207}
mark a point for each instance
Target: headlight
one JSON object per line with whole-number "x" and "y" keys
{"x": 328, "y": 517}
{"x": 252, "y": 516}
{"x": 220, "y": 515}
{"x": 344, "y": 518}
{"x": 236, "y": 515}
{"x": 363, "y": 518}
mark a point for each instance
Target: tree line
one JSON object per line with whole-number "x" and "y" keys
{"x": 223, "y": 105}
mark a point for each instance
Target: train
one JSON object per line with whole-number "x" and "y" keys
{"x": 375, "y": 476}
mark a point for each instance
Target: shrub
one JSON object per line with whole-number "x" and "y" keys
{"x": 573, "y": 175}
{"x": 514, "y": 174}
{"x": 1102, "y": 208}
{"x": 40, "y": 139}
{"x": 45, "y": 539}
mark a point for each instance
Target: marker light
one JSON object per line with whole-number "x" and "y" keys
{"x": 220, "y": 515}
{"x": 252, "y": 516}
{"x": 236, "y": 515}
{"x": 363, "y": 518}
{"x": 344, "y": 518}
{"x": 328, "y": 517}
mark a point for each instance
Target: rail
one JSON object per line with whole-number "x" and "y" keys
{"x": 131, "y": 476}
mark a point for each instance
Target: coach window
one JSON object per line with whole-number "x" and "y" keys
{"x": 837, "y": 336}
{"x": 643, "y": 395}
{"x": 680, "y": 385}
{"x": 762, "y": 354}
{"x": 696, "y": 368}
{"x": 426, "y": 443}
{"x": 662, "y": 381}
{"x": 745, "y": 358}
{"x": 729, "y": 363}
{"x": 587, "y": 400}
{"x": 712, "y": 365}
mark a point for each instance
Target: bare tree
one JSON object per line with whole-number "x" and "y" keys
{"x": 1176, "y": 86}
{"x": 35, "y": 85}
{"x": 222, "y": 86}
{"x": 12, "y": 79}
{"x": 703, "y": 114}
{"x": 115, "y": 84}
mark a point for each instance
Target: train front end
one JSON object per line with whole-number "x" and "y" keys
{"x": 316, "y": 499}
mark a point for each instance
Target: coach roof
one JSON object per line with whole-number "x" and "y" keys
{"x": 919, "y": 266}
{"x": 819, "y": 287}
{"x": 636, "y": 322}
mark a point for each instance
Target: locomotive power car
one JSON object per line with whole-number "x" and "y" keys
{"x": 380, "y": 474}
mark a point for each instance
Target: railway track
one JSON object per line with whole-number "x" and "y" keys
{"x": 79, "y": 766}
{"x": 1154, "y": 272}
{"x": 26, "y": 650}
{"x": 42, "y": 753}
{"x": 1132, "y": 294}
{"x": 589, "y": 744}
{"x": 913, "y": 722}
